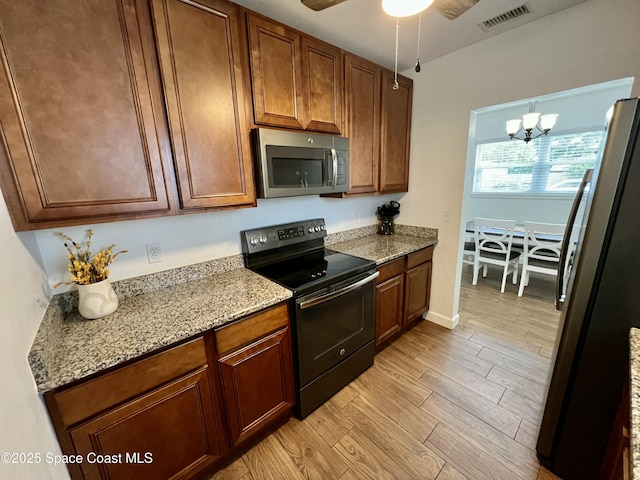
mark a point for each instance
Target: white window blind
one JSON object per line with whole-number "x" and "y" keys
{"x": 545, "y": 166}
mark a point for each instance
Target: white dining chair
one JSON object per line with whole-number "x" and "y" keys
{"x": 493, "y": 241}
{"x": 469, "y": 248}
{"x": 542, "y": 243}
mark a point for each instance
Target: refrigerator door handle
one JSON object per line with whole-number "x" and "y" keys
{"x": 562, "y": 263}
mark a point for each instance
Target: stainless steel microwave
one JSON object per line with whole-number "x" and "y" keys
{"x": 299, "y": 163}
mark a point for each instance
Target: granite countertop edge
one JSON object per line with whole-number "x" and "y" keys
{"x": 634, "y": 400}
{"x": 179, "y": 304}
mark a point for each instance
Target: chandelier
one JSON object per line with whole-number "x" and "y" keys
{"x": 530, "y": 121}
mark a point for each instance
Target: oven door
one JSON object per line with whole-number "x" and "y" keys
{"x": 333, "y": 324}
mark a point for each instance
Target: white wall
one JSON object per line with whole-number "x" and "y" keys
{"x": 24, "y": 424}
{"x": 188, "y": 239}
{"x": 590, "y": 43}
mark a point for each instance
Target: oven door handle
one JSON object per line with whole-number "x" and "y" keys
{"x": 330, "y": 296}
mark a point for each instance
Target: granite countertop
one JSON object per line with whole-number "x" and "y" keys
{"x": 384, "y": 248}
{"x": 68, "y": 347}
{"x": 163, "y": 308}
{"x": 634, "y": 398}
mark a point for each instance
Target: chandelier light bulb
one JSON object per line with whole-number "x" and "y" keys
{"x": 530, "y": 120}
{"x": 548, "y": 121}
{"x": 404, "y": 8}
{"x": 513, "y": 126}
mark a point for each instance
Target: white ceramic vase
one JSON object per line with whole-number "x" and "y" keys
{"x": 97, "y": 300}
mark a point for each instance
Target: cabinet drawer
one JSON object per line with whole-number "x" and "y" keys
{"x": 390, "y": 269}
{"x": 239, "y": 334}
{"x": 421, "y": 256}
{"x": 84, "y": 400}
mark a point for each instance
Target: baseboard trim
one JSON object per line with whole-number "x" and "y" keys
{"x": 441, "y": 320}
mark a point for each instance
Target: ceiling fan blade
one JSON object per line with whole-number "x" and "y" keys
{"x": 452, "y": 9}
{"x": 318, "y": 5}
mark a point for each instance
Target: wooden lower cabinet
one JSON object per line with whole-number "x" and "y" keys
{"x": 184, "y": 411}
{"x": 170, "y": 432}
{"x": 617, "y": 462}
{"x": 417, "y": 292}
{"x": 257, "y": 373}
{"x": 402, "y": 294}
{"x": 389, "y": 300}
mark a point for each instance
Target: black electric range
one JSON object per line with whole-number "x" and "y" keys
{"x": 332, "y": 309}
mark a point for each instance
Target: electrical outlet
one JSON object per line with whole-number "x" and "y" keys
{"x": 154, "y": 253}
{"x": 446, "y": 215}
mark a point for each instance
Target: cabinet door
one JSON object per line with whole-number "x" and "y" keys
{"x": 389, "y": 298}
{"x": 169, "y": 432}
{"x": 417, "y": 292}
{"x": 322, "y": 94}
{"x": 276, "y": 77}
{"x": 396, "y": 133}
{"x": 78, "y": 89}
{"x": 257, "y": 383}
{"x": 362, "y": 122}
{"x": 200, "y": 59}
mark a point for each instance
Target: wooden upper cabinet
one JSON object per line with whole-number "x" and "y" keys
{"x": 199, "y": 45}
{"x": 296, "y": 80}
{"x": 276, "y": 75}
{"x": 322, "y": 80}
{"x": 78, "y": 88}
{"x": 396, "y": 133}
{"x": 362, "y": 122}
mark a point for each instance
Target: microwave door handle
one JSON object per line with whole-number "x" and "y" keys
{"x": 334, "y": 158}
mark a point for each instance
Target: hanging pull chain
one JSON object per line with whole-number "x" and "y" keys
{"x": 417, "y": 67}
{"x": 395, "y": 71}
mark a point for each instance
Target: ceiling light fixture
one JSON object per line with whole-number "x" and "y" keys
{"x": 530, "y": 121}
{"x": 404, "y": 8}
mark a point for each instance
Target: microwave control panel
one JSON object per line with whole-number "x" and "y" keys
{"x": 342, "y": 178}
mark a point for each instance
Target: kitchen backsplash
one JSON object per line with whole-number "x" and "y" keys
{"x": 152, "y": 282}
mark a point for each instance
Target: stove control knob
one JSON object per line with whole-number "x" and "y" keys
{"x": 322, "y": 226}
{"x": 253, "y": 241}
{"x": 310, "y": 229}
{"x": 263, "y": 239}
{"x": 316, "y": 228}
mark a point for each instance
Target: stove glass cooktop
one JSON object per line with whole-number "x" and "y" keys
{"x": 315, "y": 270}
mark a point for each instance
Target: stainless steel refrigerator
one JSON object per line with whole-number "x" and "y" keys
{"x": 602, "y": 302}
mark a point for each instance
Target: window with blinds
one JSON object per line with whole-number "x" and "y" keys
{"x": 547, "y": 165}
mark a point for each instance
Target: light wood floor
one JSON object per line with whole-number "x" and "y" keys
{"x": 437, "y": 404}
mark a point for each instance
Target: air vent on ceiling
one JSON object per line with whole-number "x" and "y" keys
{"x": 505, "y": 17}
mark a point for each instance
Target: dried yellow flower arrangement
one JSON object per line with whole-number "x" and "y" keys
{"x": 84, "y": 267}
